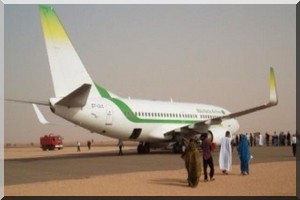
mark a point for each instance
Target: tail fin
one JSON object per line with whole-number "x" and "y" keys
{"x": 68, "y": 72}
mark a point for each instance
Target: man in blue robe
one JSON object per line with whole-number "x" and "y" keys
{"x": 244, "y": 153}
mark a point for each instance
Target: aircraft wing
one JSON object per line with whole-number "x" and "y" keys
{"x": 273, "y": 101}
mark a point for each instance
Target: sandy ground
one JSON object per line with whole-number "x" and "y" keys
{"x": 265, "y": 179}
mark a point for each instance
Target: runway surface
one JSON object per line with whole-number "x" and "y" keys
{"x": 87, "y": 164}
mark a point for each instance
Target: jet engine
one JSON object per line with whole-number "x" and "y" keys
{"x": 215, "y": 134}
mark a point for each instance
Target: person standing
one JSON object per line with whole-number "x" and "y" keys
{"x": 248, "y": 138}
{"x": 89, "y": 144}
{"x": 225, "y": 156}
{"x": 280, "y": 138}
{"x": 120, "y": 144}
{"x": 294, "y": 144}
{"x": 276, "y": 139}
{"x": 260, "y": 140}
{"x": 192, "y": 163}
{"x": 267, "y": 138}
{"x": 236, "y": 140}
{"x": 78, "y": 146}
{"x": 251, "y": 139}
{"x": 207, "y": 158}
{"x": 288, "y": 138}
{"x": 254, "y": 140}
{"x": 244, "y": 154}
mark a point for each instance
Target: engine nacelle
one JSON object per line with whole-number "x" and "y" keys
{"x": 215, "y": 134}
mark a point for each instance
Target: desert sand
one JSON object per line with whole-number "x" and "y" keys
{"x": 265, "y": 179}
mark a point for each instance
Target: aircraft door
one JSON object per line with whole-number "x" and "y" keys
{"x": 109, "y": 115}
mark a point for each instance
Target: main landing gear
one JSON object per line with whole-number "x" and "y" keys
{"x": 143, "y": 148}
{"x": 178, "y": 147}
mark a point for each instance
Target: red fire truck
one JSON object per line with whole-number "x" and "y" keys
{"x": 51, "y": 142}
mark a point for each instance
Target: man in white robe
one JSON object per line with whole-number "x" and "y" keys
{"x": 225, "y": 157}
{"x": 260, "y": 140}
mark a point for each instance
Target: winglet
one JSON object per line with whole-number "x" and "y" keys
{"x": 39, "y": 114}
{"x": 273, "y": 90}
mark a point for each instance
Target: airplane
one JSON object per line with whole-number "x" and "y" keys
{"x": 81, "y": 101}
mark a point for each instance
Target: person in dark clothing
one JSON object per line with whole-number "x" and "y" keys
{"x": 275, "y": 139}
{"x": 251, "y": 139}
{"x": 267, "y": 138}
{"x": 254, "y": 140}
{"x": 207, "y": 158}
{"x": 236, "y": 140}
{"x": 120, "y": 144}
{"x": 89, "y": 144}
{"x": 294, "y": 144}
{"x": 288, "y": 138}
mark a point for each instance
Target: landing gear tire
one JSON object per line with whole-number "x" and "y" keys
{"x": 177, "y": 148}
{"x": 143, "y": 148}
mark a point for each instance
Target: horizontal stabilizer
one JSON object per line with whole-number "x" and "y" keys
{"x": 44, "y": 121}
{"x": 39, "y": 115}
{"x": 42, "y": 103}
{"x": 77, "y": 98}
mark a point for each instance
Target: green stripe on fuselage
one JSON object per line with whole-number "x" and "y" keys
{"x": 103, "y": 92}
{"x": 133, "y": 118}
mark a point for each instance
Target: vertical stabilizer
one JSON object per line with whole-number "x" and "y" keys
{"x": 68, "y": 72}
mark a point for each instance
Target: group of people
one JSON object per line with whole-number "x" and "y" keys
{"x": 89, "y": 145}
{"x": 255, "y": 139}
{"x": 225, "y": 156}
{"x": 193, "y": 158}
{"x": 280, "y": 139}
{"x": 258, "y": 139}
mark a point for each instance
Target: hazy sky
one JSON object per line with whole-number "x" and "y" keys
{"x": 213, "y": 54}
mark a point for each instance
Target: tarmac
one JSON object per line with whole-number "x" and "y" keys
{"x": 85, "y": 164}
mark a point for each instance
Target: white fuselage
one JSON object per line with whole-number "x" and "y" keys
{"x": 118, "y": 119}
